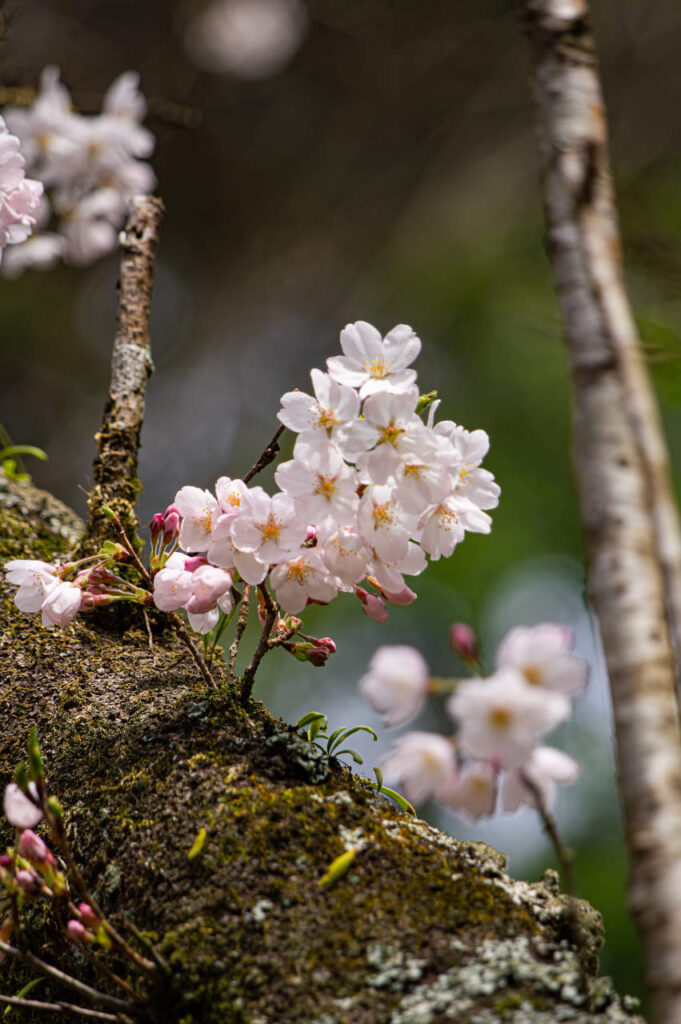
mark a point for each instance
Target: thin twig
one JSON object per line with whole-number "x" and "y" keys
{"x": 40, "y": 1007}
{"x": 53, "y": 972}
{"x": 270, "y": 453}
{"x": 239, "y": 631}
{"x": 153, "y": 952}
{"x": 149, "y": 633}
{"x": 564, "y": 855}
{"x": 199, "y": 660}
{"x": 261, "y": 650}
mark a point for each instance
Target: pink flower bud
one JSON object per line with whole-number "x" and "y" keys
{"x": 88, "y": 915}
{"x": 194, "y": 563}
{"x": 320, "y": 654}
{"x": 403, "y": 597}
{"x": 171, "y": 527}
{"x": 463, "y": 642}
{"x": 156, "y": 527}
{"x": 34, "y": 849}
{"x": 311, "y": 535}
{"x": 27, "y": 881}
{"x": 76, "y": 931}
{"x": 5, "y": 860}
{"x": 372, "y": 605}
{"x": 171, "y": 510}
{"x": 87, "y": 601}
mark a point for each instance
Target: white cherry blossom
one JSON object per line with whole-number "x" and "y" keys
{"x": 384, "y": 524}
{"x": 19, "y": 810}
{"x": 320, "y": 483}
{"x": 421, "y": 762}
{"x": 333, "y": 406}
{"x": 301, "y": 578}
{"x": 542, "y": 654}
{"x": 172, "y": 584}
{"x": 345, "y": 554}
{"x": 501, "y": 718}
{"x": 199, "y": 510}
{"x": 268, "y": 527}
{"x": 473, "y": 793}
{"x": 372, "y": 363}
{"x": 229, "y": 493}
{"x": 389, "y": 576}
{"x": 34, "y": 579}
{"x": 395, "y": 683}
{"x": 61, "y": 605}
{"x": 223, "y": 553}
{"x": 544, "y": 768}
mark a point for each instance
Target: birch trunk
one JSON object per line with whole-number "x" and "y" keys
{"x": 628, "y": 512}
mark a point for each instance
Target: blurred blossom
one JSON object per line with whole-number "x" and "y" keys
{"x": 250, "y": 38}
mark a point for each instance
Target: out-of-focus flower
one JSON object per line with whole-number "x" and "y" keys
{"x": 19, "y": 195}
{"x": 395, "y": 683}
{"x": 19, "y": 810}
{"x": 473, "y": 793}
{"x": 421, "y": 762}
{"x": 543, "y": 655}
{"x": 544, "y": 768}
{"x": 249, "y": 38}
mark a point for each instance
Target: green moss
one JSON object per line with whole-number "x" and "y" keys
{"x": 143, "y": 756}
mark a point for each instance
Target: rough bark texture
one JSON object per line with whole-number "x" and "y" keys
{"x": 422, "y": 929}
{"x": 628, "y": 510}
{"x": 118, "y": 440}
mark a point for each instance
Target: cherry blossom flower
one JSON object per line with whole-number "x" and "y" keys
{"x": 19, "y": 195}
{"x": 421, "y": 762}
{"x": 210, "y": 585}
{"x": 61, "y": 605}
{"x": 300, "y": 579}
{"x": 43, "y": 128}
{"x": 542, "y": 654}
{"x": 501, "y": 718}
{"x": 372, "y": 605}
{"x": 384, "y": 524}
{"x": 268, "y": 527}
{"x": 172, "y": 584}
{"x": 470, "y": 448}
{"x": 34, "y": 579}
{"x": 199, "y": 510}
{"x": 321, "y": 484}
{"x": 333, "y": 406}
{"x": 389, "y": 576}
{"x": 223, "y": 553}
{"x": 544, "y": 768}
{"x": 19, "y": 810}
{"x": 473, "y": 793}
{"x": 345, "y": 554}
{"x": 229, "y": 493}
{"x": 372, "y": 363}
{"x": 395, "y": 683}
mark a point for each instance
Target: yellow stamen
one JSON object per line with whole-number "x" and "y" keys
{"x": 270, "y": 529}
{"x": 382, "y": 515}
{"x": 500, "y": 718}
{"x": 326, "y": 486}
{"x": 376, "y": 367}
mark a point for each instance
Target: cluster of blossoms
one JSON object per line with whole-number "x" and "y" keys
{"x": 91, "y": 165}
{"x": 19, "y": 195}
{"x": 493, "y": 756}
{"x": 371, "y": 490}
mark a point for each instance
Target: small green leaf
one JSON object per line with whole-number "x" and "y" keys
{"x": 353, "y": 754}
{"x": 35, "y": 758}
{"x": 400, "y": 800}
{"x": 318, "y": 726}
{"x": 198, "y": 844}
{"x": 338, "y": 867}
{"x": 425, "y": 401}
{"x": 379, "y": 778}
{"x": 22, "y": 449}
{"x": 347, "y": 733}
{"x": 23, "y": 992}
{"x": 332, "y": 738}
{"x": 306, "y": 719}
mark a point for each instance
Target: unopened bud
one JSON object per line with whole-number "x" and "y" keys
{"x": 156, "y": 526}
{"x": 403, "y": 597}
{"x": 464, "y": 642}
{"x": 33, "y": 848}
{"x": 88, "y": 916}
{"x": 27, "y": 881}
{"x": 171, "y": 527}
{"x": 194, "y": 563}
{"x": 76, "y": 931}
{"x": 372, "y": 605}
{"x": 5, "y": 860}
{"x": 171, "y": 510}
{"x": 311, "y": 538}
{"x": 87, "y": 601}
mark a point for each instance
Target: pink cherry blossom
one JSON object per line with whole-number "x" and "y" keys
{"x": 19, "y": 810}
{"x": 61, "y": 605}
{"x": 268, "y": 527}
{"x": 300, "y": 579}
{"x": 372, "y": 363}
{"x": 544, "y": 768}
{"x": 542, "y": 654}
{"x": 473, "y": 793}
{"x": 333, "y": 406}
{"x": 199, "y": 510}
{"x": 34, "y": 579}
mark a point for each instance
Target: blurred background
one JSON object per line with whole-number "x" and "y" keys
{"x": 324, "y": 161}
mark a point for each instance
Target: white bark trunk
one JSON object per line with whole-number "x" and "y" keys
{"x": 629, "y": 515}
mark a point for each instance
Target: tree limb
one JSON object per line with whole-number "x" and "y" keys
{"x": 629, "y": 517}
{"x": 115, "y": 467}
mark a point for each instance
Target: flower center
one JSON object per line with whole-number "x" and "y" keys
{"x": 500, "y": 718}
{"x": 390, "y": 435}
{"x": 533, "y": 674}
{"x": 414, "y": 471}
{"x": 299, "y": 571}
{"x": 326, "y": 418}
{"x": 204, "y": 520}
{"x": 326, "y": 486}
{"x": 382, "y": 515}
{"x": 376, "y": 367}
{"x": 270, "y": 529}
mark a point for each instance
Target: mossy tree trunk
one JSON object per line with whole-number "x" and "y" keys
{"x": 422, "y": 928}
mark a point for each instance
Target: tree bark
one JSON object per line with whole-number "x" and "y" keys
{"x": 422, "y": 928}
{"x": 629, "y": 515}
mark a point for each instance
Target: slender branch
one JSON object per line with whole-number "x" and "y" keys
{"x": 622, "y": 476}
{"x": 239, "y": 631}
{"x": 564, "y": 855}
{"x": 199, "y": 660}
{"x": 115, "y": 467}
{"x": 262, "y": 648}
{"x": 40, "y": 1007}
{"x": 270, "y": 453}
{"x": 100, "y": 998}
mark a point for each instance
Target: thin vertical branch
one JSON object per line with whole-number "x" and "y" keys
{"x": 115, "y": 467}
{"x": 238, "y": 632}
{"x": 622, "y": 473}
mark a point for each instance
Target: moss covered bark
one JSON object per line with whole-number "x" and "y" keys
{"x": 421, "y": 929}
